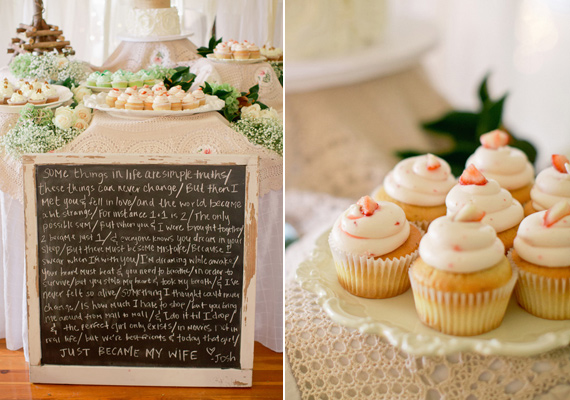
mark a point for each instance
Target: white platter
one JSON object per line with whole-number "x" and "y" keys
{"x": 234, "y": 61}
{"x": 520, "y": 334}
{"x": 128, "y": 38}
{"x": 97, "y": 102}
{"x": 64, "y": 95}
{"x": 405, "y": 43}
{"x": 99, "y": 89}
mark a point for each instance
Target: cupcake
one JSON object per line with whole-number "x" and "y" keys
{"x": 462, "y": 281}
{"x": 189, "y": 102}
{"x": 174, "y": 89}
{"x": 119, "y": 81}
{"x": 551, "y": 186}
{"x": 144, "y": 93}
{"x": 7, "y": 83}
{"x": 272, "y": 53}
{"x": 112, "y": 97}
{"x": 122, "y": 101}
{"x": 175, "y": 103}
{"x": 373, "y": 244}
{"x": 17, "y": 99}
{"x": 240, "y": 51}
{"x": 28, "y": 89}
{"x": 6, "y": 92}
{"x": 254, "y": 51}
{"x": 104, "y": 81}
{"x": 200, "y": 96}
{"x": 159, "y": 88}
{"x": 134, "y": 103}
{"x": 502, "y": 212}
{"x": 508, "y": 166}
{"x": 132, "y": 90}
{"x": 51, "y": 93}
{"x": 136, "y": 80}
{"x": 37, "y": 98}
{"x": 92, "y": 79}
{"x": 148, "y": 101}
{"x": 222, "y": 51}
{"x": 418, "y": 185}
{"x": 542, "y": 254}
{"x": 161, "y": 103}
{"x": 146, "y": 77}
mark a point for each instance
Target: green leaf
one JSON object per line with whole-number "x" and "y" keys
{"x": 181, "y": 68}
{"x": 483, "y": 92}
{"x": 263, "y": 106}
{"x": 526, "y": 146}
{"x": 460, "y": 125}
{"x": 207, "y": 89}
{"x": 491, "y": 115}
{"x": 222, "y": 94}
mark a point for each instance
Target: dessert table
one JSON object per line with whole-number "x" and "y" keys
{"x": 208, "y": 132}
{"x": 338, "y": 151}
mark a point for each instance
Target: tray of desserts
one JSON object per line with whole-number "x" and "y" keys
{"x": 121, "y": 79}
{"x": 152, "y": 102}
{"x": 14, "y": 96}
{"x": 488, "y": 275}
{"x": 232, "y": 52}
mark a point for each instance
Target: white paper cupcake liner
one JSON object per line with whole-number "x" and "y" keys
{"x": 422, "y": 225}
{"x": 541, "y": 296}
{"x": 372, "y": 278}
{"x": 462, "y": 314}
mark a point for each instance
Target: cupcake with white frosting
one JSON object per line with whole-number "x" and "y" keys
{"x": 419, "y": 186}
{"x": 507, "y": 165}
{"x": 200, "y": 96}
{"x": 373, "y": 245}
{"x": 502, "y": 212}
{"x": 37, "y": 98}
{"x": 17, "y": 99}
{"x": 6, "y": 91}
{"x": 50, "y": 92}
{"x": 121, "y": 101}
{"x": 134, "y": 103}
{"x": 542, "y": 254}
{"x": 462, "y": 281}
{"x": 552, "y": 185}
{"x": 223, "y": 51}
{"x": 161, "y": 103}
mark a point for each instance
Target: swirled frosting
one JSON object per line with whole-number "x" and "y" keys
{"x": 461, "y": 247}
{"x": 550, "y": 187}
{"x": 543, "y": 244}
{"x": 383, "y": 231}
{"x": 412, "y": 182}
{"x": 501, "y": 210}
{"x": 507, "y": 165}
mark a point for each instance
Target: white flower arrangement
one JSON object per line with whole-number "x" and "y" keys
{"x": 262, "y": 127}
{"x": 80, "y": 92}
{"x": 51, "y": 66}
{"x": 40, "y": 130}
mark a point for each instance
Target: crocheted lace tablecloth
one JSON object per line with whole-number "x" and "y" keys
{"x": 329, "y": 361}
{"x": 133, "y": 56}
{"x": 208, "y": 132}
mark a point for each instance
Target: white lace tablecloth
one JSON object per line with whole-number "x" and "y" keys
{"x": 174, "y": 135}
{"x": 327, "y": 361}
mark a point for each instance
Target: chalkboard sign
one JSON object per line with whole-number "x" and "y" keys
{"x": 141, "y": 268}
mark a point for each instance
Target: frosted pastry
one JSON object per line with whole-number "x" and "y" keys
{"x": 17, "y": 99}
{"x": 148, "y": 102}
{"x": 462, "y": 280}
{"x": 200, "y": 96}
{"x": 50, "y": 92}
{"x": 507, "y": 165}
{"x": 552, "y": 185}
{"x": 104, "y": 81}
{"x": 502, "y": 212}
{"x": 189, "y": 102}
{"x": 134, "y": 103}
{"x": 223, "y": 51}
{"x": 175, "y": 103}
{"x": 240, "y": 52}
{"x": 6, "y": 92}
{"x": 37, "y": 98}
{"x": 542, "y": 254}
{"x": 122, "y": 100}
{"x": 419, "y": 185}
{"x": 373, "y": 244}
{"x": 161, "y": 103}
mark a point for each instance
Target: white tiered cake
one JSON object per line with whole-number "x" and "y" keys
{"x": 153, "y": 18}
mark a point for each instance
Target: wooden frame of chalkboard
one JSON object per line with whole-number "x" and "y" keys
{"x": 68, "y": 345}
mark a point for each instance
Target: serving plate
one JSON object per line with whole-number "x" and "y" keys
{"x": 64, "y": 95}
{"x": 97, "y": 102}
{"x": 234, "y": 61}
{"x": 520, "y": 334}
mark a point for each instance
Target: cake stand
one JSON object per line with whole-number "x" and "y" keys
{"x": 406, "y": 41}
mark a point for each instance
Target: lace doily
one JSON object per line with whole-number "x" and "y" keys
{"x": 330, "y": 362}
{"x": 179, "y": 135}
